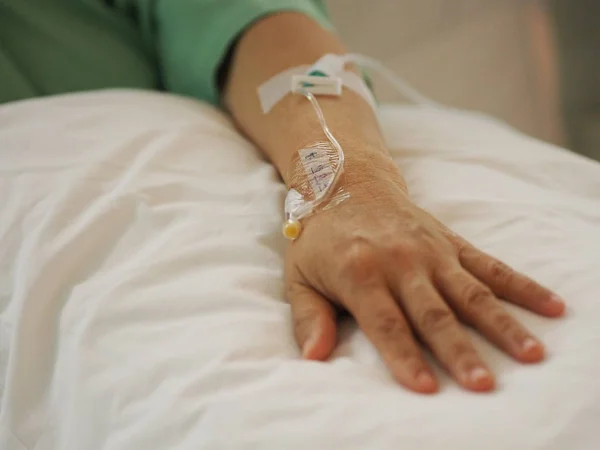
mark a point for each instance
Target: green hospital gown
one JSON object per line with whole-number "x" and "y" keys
{"x": 55, "y": 46}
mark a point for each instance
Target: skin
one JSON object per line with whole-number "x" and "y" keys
{"x": 410, "y": 283}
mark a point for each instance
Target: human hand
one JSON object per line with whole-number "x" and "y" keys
{"x": 407, "y": 280}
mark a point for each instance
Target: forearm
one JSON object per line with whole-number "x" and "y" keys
{"x": 273, "y": 45}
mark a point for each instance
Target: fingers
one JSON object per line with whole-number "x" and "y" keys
{"x": 314, "y": 322}
{"x": 477, "y": 305}
{"x": 380, "y": 318}
{"x": 437, "y": 326}
{"x": 510, "y": 285}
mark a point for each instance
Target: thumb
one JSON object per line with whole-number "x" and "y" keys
{"x": 314, "y": 322}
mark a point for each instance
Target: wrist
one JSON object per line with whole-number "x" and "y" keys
{"x": 365, "y": 168}
{"x": 368, "y": 166}
{"x": 369, "y": 177}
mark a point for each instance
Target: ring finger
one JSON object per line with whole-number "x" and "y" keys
{"x": 438, "y": 327}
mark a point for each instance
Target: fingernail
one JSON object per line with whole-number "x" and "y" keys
{"x": 556, "y": 299}
{"x": 479, "y": 374}
{"x": 426, "y": 381}
{"x": 530, "y": 344}
{"x": 310, "y": 343}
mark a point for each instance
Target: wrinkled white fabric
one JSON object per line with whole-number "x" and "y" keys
{"x": 141, "y": 294}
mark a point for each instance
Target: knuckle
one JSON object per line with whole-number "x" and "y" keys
{"x": 501, "y": 272}
{"x": 304, "y": 315}
{"x": 360, "y": 261}
{"x": 390, "y": 325}
{"x": 503, "y": 322}
{"x": 415, "y": 283}
{"x": 435, "y": 320}
{"x": 476, "y": 296}
{"x": 403, "y": 251}
{"x": 466, "y": 253}
{"x": 448, "y": 273}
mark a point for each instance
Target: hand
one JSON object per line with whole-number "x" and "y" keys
{"x": 407, "y": 280}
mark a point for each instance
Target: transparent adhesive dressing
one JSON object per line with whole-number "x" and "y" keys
{"x": 316, "y": 170}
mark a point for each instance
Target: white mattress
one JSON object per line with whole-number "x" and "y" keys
{"x": 141, "y": 294}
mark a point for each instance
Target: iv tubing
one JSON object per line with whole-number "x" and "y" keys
{"x": 309, "y": 206}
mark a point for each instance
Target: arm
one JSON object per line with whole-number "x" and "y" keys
{"x": 395, "y": 268}
{"x": 287, "y": 40}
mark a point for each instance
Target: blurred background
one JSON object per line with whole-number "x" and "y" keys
{"x": 533, "y": 63}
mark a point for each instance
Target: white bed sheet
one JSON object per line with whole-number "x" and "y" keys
{"x": 141, "y": 295}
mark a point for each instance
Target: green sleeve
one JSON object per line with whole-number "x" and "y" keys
{"x": 191, "y": 37}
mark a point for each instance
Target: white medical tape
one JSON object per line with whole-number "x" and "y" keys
{"x": 330, "y": 64}
{"x": 356, "y": 84}
{"x": 277, "y": 87}
{"x": 274, "y": 89}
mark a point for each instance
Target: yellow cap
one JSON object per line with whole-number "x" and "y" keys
{"x": 291, "y": 229}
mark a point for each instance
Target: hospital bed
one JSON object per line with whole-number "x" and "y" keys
{"x": 141, "y": 296}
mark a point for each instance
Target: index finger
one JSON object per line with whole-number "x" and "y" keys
{"x": 510, "y": 285}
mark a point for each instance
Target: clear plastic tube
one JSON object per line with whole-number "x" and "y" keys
{"x": 398, "y": 83}
{"x": 308, "y": 206}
